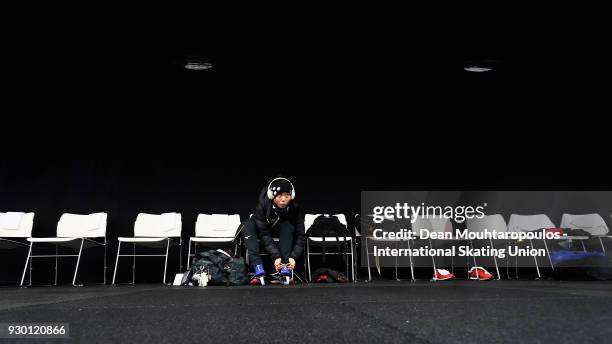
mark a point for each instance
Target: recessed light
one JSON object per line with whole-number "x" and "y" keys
{"x": 477, "y": 69}
{"x": 481, "y": 66}
{"x": 193, "y": 65}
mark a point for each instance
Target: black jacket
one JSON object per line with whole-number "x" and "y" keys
{"x": 265, "y": 219}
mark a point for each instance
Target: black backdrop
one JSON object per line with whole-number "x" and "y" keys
{"x": 124, "y": 187}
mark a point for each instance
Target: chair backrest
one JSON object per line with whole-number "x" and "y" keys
{"x": 82, "y": 226}
{"x": 16, "y": 225}
{"x": 432, "y": 224}
{"x": 309, "y": 219}
{"x": 158, "y": 225}
{"x": 492, "y": 223}
{"x": 341, "y": 218}
{"x": 526, "y": 223}
{"x": 592, "y": 223}
{"x": 217, "y": 225}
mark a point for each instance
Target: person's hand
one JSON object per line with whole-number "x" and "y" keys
{"x": 278, "y": 264}
{"x": 291, "y": 264}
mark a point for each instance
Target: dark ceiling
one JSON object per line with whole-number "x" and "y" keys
{"x": 314, "y": 69}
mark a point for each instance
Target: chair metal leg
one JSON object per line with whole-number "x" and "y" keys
{"x": 25, "y": 268}
{"x": 352, "y": 260}
{"x": 105, "y": 266}
{"x": 181, "y": 255}
{"x": 411, "y": 265}
{"x": 368, "y": 259}
{"x": 55, "y": 265}
{"x": 305, "y": 265}
{"x": 433, "y": 261}
{"x": 346, "y": 258}
{"x": 189, "y": 255}
{"x": 116, "y": 262}
{"x": 134, "y": 264}
{"x": 507, "y": 262}
{"x": 603, "y": 248}
{"x": 308, "y": 259}
{"x": 495, "y": 260}
{"x": 31, "y": 268}
{"x": 535, "y": 259}
{"x": 552, "y": 266}
{"x": 76, "y": 270}
{"x": 166, "y": 263}
{"x": 475, "y": 263}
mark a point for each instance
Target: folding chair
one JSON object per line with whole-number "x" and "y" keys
{"x": 435, "y": 225}
{"x": 215, "y": 229}
{"x": 493, "y": 223}
{"x": 367, "y": 237}
{"x": 15, "y": 229}
{"x": 73, "y": 231}
{"x": 152, "y": 231}
{"x": 328, "y": 242}
{"x": 594, "y": 224}
{"x": 528, "y": 223}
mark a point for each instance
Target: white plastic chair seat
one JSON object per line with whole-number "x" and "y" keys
{"x": 330, "y": 239}
{"x": 201, "y": 239}
{"x": 370, "y": 237}
{"x": 52, "y": 239}
{"x": 141, "y": 239}
{"x": 570, "y": 237}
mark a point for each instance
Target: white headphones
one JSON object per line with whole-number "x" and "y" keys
{"x": 271, "y": 195}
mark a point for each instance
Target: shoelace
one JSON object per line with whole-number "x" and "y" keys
{"x": 278, "y": 276}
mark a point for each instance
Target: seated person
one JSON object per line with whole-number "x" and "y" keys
{"x": 276, "y": 215}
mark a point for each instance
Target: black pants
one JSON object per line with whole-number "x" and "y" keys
{"x": 284, "y": 230}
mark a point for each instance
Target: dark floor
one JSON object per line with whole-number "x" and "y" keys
{"x": 381, "y": 312}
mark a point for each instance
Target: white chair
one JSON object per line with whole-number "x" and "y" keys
{"x": 328, "y": 241}
{"x": 594, "y": 224}
{"x": 437, "y": 225}
{"x": 528, "y": 223}
{"x": 491, "y": 223}
{"x": 367, "y": 238}
{"x": 15, "y": 229}
{"x": 215, "y": 229}
{"x": 152, "y": 231}
{"x": 73, "y": 230}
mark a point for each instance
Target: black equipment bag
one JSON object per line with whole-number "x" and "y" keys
{"x": 222, "y": 268}
{"x": 329, "y": 226}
